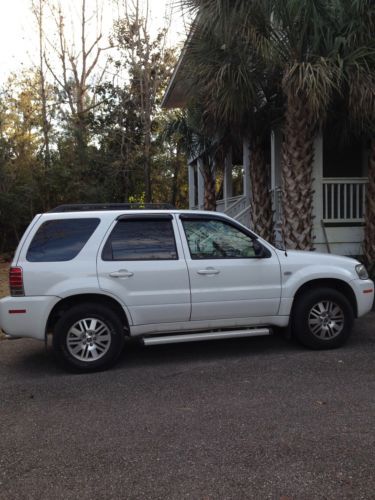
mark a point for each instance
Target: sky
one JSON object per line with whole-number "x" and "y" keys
{"x": 19, "y": 38}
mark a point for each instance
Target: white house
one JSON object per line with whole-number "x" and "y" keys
{"x": 339, "y": 174}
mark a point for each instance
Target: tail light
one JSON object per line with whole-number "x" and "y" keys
{"x": 16, "y": 282}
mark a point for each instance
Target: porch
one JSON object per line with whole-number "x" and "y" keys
{"x": 339, "y": 202}
{"x": 339, "y": 214}
{"x": 340, "y": 229}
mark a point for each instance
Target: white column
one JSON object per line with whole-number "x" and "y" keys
{"x": 276, "y": 181}
{"x": 317, "y": 175}
{"x": 191, "y": 168}
{"x": 246, "y": 171}
{"x": 200, "y": 184}
{"x": 275, "y": 159}
{"x": 227, "y": 178}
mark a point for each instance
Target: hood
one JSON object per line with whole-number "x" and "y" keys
{"x": 297, "y": 259}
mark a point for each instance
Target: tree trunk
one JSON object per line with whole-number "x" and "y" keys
{"x": 261, "y": 206}
{"x": 369, "y": 239}
{"x": 80, "y": 122}
{"x": 147, "y": 164}
{"x": 175, "y": 180}
{"x": 209, "y": 186}
{"x": 297, "y": 161}
{"x": 39, "y": 13}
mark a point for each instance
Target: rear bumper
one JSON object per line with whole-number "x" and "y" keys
{"x": 26, "y": 316}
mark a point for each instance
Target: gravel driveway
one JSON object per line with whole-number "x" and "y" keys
{"x": 251, "y": 418}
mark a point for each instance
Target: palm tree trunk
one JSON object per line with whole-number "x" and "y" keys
{"x": 207, "y": 170}
{"x": 209, "y": 188}
{"x": 297, "y": 161}
{"x": 369, "y": 239}
{"x": 261, "y": 208}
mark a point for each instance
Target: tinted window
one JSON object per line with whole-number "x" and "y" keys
{"x": 141, "y": 240}
{"x": 60, "y": 240}
{"x": 214, "y": 239}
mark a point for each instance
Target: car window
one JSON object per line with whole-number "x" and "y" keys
{"x": 60, "y": 240}
{"x": 215, "y": 239}
{"x": 141, "y": 240}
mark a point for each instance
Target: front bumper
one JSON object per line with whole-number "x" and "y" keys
{"x": 26, "y": 316}
{"x": 364, "y": 292}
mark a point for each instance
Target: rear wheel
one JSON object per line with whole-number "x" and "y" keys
{"x": 322, "y": 319}
{"x": 88, "y": 337}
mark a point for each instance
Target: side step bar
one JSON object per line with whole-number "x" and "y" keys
{"x": 195, "y": 337}
{"x": 10, "y": 337}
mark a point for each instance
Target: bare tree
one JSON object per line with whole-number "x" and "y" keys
{"x": 146, "y": 61}
{"x": 75, "y": 69}
{"x": 38, "y": 11}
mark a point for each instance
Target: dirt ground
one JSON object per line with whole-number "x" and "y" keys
{"x": 4, "y": 269}
{"x": 4, "y": 290}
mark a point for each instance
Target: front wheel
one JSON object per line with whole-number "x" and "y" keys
{"x": 88, "y": 337}
{"x": 322, "y": 319}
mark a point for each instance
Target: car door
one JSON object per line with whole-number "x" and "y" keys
{"x": 142, "y": 263}
{"x": 232, "y": 275}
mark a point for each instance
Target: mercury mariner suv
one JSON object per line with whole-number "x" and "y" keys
{"x": 92, "y": 275}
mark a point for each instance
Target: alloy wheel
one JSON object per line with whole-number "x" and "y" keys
{"x": 89, "y": 339}
{"x": 326, "y": 320}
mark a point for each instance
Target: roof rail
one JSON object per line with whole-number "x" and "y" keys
{"x": 87, "y": 207}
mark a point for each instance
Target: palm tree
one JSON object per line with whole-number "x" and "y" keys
{"x": 288, "y": 38}
{"x": 302, "y": 41}
{"x": 356, "y": 60}
{"x": 295, "y": 36}
{"x": 236, "y": 94}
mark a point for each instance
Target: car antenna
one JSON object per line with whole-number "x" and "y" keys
{"x": 284, "y": 240}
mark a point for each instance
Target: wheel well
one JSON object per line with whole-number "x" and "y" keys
{"x": 339, "y": 285}
{"x": 74, "y": 300}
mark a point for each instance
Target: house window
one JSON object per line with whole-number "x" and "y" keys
{"x": 342, "y": 157}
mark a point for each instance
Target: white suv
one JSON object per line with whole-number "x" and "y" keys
{"x": 92, "y": 275}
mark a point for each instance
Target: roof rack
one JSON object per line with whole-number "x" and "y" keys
{"x": 87, "y": 207}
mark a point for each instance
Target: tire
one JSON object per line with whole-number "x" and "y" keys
{"x": 88, "y": 337}
{"x": 322, "y": 318}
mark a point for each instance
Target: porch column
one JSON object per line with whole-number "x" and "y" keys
{"x": 317, "y": 174}
{"x": 275, "y": 159}
{"x": 227, "y": 178}
{"x": 191, "y": 168}
{"x": 246, "y": 171}
{"x": 200, "y": 184}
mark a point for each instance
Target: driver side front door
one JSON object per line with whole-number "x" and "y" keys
{"x": 227, "y": 278}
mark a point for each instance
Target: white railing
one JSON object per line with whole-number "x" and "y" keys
{"x": 344, "y": 199}
{"x": 244, "y": 217}
{"x": 234, "y": 205}
{"x": 237, "y": 207}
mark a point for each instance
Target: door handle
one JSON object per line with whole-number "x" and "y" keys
{"x": 208, "y": 271}
{"x": 122, "y": 273}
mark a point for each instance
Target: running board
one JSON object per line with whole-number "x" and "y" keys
{"x": 10, "y": 337}
{"x": 195, "y": 337}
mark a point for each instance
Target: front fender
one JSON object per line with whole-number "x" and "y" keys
{"x": 292, "y": 281}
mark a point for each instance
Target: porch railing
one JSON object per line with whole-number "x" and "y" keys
{"x": 234, "y": 205}
{"x": 237, "y": 207}
{"x": 344, "y": 199}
